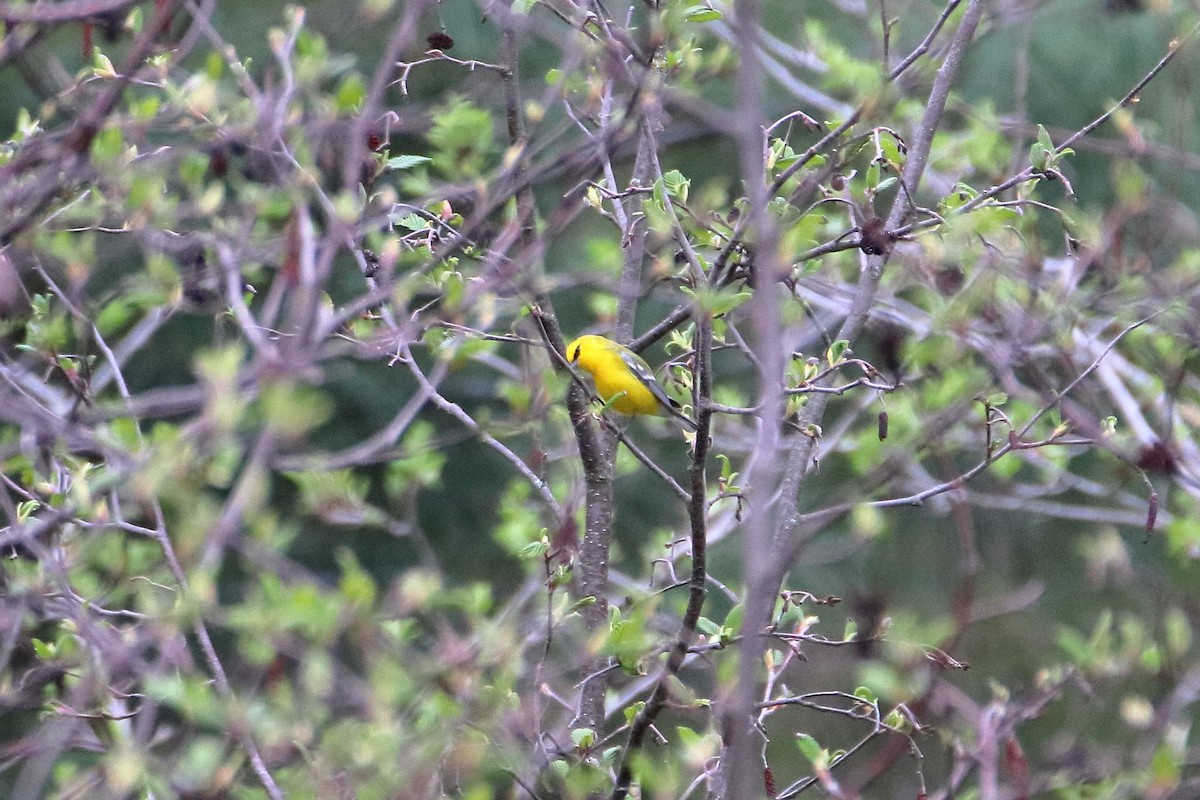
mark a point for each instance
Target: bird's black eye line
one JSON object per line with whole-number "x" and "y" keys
{"x": 573, "y": 356}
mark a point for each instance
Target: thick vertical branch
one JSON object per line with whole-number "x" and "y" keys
{"x": 599, "y": 466}
{"x": 596, "y": 454}
{"x": 698, "y": 517}
{"x": 598, "y": 449}
{"x": 593, "y": 560}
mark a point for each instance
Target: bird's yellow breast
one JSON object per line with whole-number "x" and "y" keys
{"x": 637, "y": 399}
{"x": 612, "y": 376}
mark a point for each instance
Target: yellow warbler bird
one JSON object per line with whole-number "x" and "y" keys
{"x": 623, "y": 380}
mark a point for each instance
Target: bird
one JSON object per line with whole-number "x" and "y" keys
{"x": 623, "y": 380}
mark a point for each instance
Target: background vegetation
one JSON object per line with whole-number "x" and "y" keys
{"x": 302, "y": 500}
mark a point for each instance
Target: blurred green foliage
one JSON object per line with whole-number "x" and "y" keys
{"x": 279, "y": 441}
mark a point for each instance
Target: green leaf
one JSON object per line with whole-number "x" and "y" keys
{"x": 1041, "y": 152}
{"x": 406, "y": 162}
{"x": 1177, "y": 632}
{"x": 26, "y": 125}
{"x": 1164, "y": 771}
{"x": 726, "y": 466}
{"x": 1151, "y": 659}
{"x": 356, "y": 585}
{"x": 702, "y": 14}
{"x": 865, "y": 694}
{"x": 717, "y": 301}
{"x": 583, "y": 602}
{"x": 462, "y": 135}
{"x": 959, "y": 197}
{"x": 145, "y": 109}
{"x": 689, "y": 737}
{"x": 1043, "y": 139}
{"x": 108, "y": 145}
{"x": 101, "y": 66}
{"x": 837, "y": 352}
{"x": 811, "y": 749}
{"x": 125, "y": 431}
{"x": 420, "y": 465}
{"x": 872, "y": 177}
{"x": 733, "y": 620}
{"x": 1038, "y": 156}
{"x": 409, "y": 221}
{"x": 583, "y": 738}
{"x": 534, "y": 550}
{"x": 350, "y": 94}
{"x": 891, "y": 148}
{"x": 25, "y": 510}
{"x": 293, "y": 409}
{"x": 677, "y": 185}
{"x": 115, "y": 318}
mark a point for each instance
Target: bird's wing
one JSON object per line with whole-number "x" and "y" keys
{"x": 639, "y": 368}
